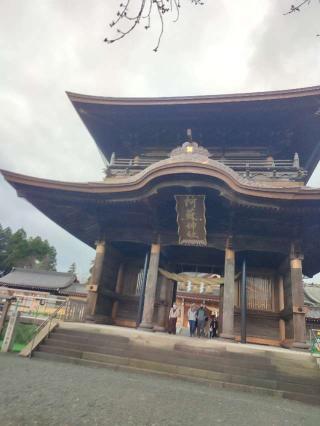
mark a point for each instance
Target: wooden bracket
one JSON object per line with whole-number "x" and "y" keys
{"x": 299, "y": 310}
{"x": 93, "y": 288}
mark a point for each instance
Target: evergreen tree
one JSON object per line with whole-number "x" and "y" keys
{"x": 5, "y": 236}
{"x": 16, "y": 249}
{"x": 72, "y": 269}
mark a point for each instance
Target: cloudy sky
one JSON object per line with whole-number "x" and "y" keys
{"x": 48, "y": 47}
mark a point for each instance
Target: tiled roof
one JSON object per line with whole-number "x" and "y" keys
{"x": 74, "y": 289}
{"x": 35, "y": 279}
{"x": 312, "y": 295}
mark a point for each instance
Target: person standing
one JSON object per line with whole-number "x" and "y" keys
{"x": 173, "y": 316}
{"x": 192, "y": 316}
{"x": 201, "y": 320}
{"x": 213, "y": 327}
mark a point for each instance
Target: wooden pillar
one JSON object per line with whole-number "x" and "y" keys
{"x": 282, "y": 324}
{"x": 220, "y": 321}
{"x": 10, "y": 332}
{"x": 151, "y": 287}
{"x": 4, "y": 313}
{"x": 162, "y": 308}
{"x": 182, "y": 313}
{"x": 169, "y": 300}
{"x": 228, "y": 293}
{"x": 95, "y": 281}
{"x": 298, "y": 311}
{"x": 118, "y": 290}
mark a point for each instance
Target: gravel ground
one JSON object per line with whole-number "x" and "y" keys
{"x": 38, "y": 392}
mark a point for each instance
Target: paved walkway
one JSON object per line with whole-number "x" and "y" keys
{"x": 37, "y": 392}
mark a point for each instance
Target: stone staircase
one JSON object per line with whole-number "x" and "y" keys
{"x": 278, "y": 373}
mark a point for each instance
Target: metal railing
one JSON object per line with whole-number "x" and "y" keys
{"x": 35, "y": 306}
{"x": 127, "y": 166}
{"x": 123, "y": 166}
{"x": 48, "y": 321}
{"x": 258, "y": 164}
{"x": 134, "y": 162}
{"x": 37, "y": 312}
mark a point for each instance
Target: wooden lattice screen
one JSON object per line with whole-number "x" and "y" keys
{"x": 259, "y": 293}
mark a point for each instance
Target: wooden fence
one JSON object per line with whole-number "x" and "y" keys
{"x": 75, "y": 311}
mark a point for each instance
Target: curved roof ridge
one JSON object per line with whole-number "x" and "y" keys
{"x": 209, "y": 168}
{"x": 232, "y": 97}
{"x": 42, "y": 272}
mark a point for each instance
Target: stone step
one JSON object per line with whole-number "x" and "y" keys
{"x": 163, "y": 355}
{"x": 59, "y": 351}
{"x": 224, "y": 354}
{"x": 210, "y": 355}
{"x": 285, "y": 367}
{"x": 219, "y": 355}
{"x": 285, "y": 372}
{"x": 170, "y": 358}
{"x": 87, "y": 346}
{"x": 127, "y": 367}
{"x": 305, "y": 363}
{"x": 260, "y": 357}
{"x": 298, "y": 371}
{"x": 181, "y": 373}
{"x": 167, "y": 368}
{"x": 89, "y": 341}
{"x": 248, "y": 376}
{"x": 89, "y": 336}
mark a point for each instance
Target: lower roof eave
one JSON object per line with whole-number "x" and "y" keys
{"x": 164, "y": 169}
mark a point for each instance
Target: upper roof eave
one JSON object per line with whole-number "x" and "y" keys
{"x": 176, "y": 100}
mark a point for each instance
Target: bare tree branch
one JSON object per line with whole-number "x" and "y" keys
{"x": 124, "y": 16}
{"x": 127, "y": 19}
{"x": 297, "y": 7}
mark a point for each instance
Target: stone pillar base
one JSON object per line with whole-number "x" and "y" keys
{"x": 99, "y": 319}
{"x": 301, "y": 345}
{"x": 158, "y": 328}
{"x": 227, "y": 336}
{"x": 145, "y": 326}
{"x": 90, "y": 319}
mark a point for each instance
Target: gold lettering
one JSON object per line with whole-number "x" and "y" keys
{"x": 190, "y": 201}
{"x": 191, "y": 229}
{"x": 190, "y": 215}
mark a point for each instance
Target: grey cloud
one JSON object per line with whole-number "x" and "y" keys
{"x": 286, "y": 52}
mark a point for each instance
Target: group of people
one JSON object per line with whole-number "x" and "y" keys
{"x": 200, "y": 322}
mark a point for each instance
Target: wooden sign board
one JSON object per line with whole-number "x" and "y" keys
{"x": 191, "y": 219}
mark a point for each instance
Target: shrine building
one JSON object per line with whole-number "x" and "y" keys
{"x": 196, "y": 183}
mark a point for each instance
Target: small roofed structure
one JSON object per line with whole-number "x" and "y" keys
{"x": 42, "y": 292}
{"x": 312, "y": 304}
{"x": 31, "y": 279}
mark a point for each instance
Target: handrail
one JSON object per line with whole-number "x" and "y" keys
{"x": 242, "y": 163}
{"x": 42, "y": 325}
{"x": 124, "y": 166}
